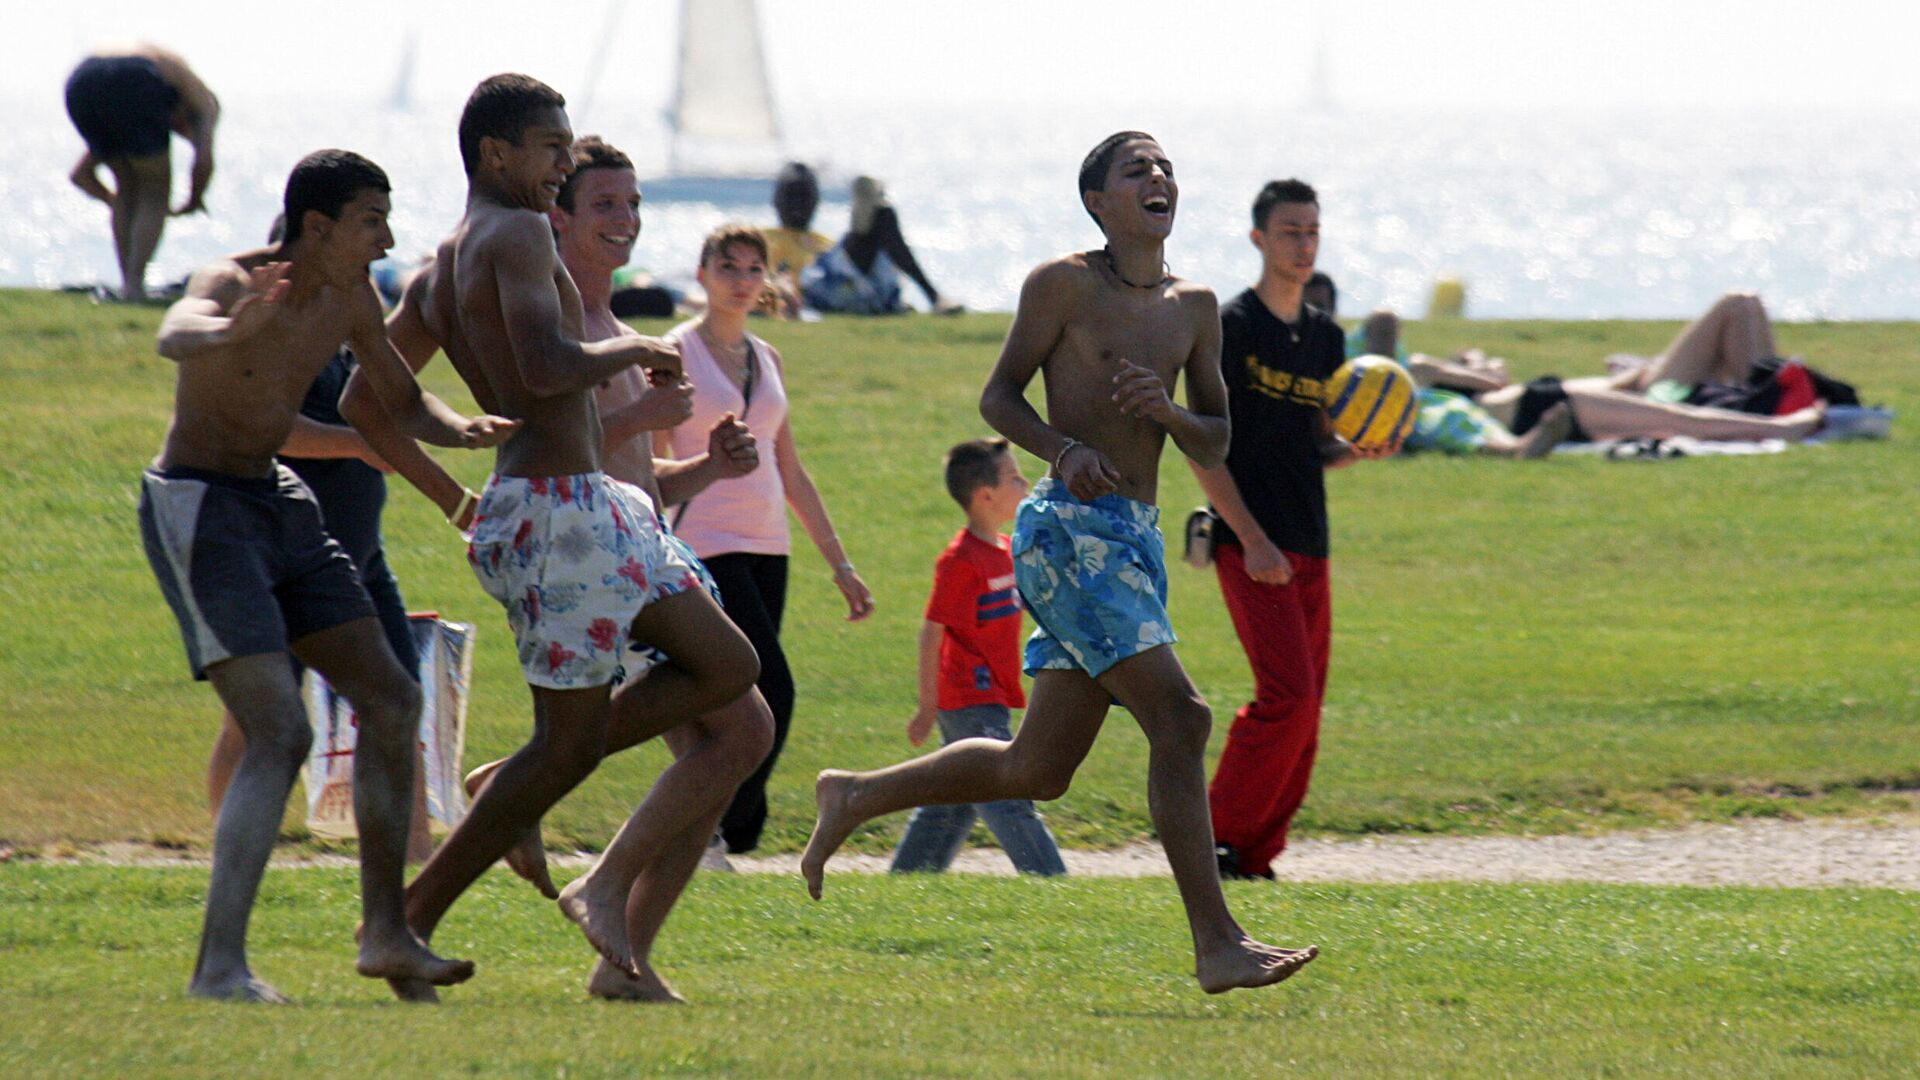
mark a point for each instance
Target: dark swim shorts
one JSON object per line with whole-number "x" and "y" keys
{"x": 122, "y": 106}
{"x": 1542, "y": 394}
{"x": 245, "y": 563}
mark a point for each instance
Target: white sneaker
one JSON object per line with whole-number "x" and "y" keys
{"x": 716, "y": 856}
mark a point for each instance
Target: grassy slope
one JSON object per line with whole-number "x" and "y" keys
{"x": 973, "y": 977}
{"x": 1558, "y": 645}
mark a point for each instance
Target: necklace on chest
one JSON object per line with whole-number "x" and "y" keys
{"x": 730, "y": 358}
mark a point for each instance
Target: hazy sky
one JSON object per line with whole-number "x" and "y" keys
{"x": 1531, "y": 54}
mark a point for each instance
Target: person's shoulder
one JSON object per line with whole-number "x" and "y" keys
{"x": 227, "y": 276}
{"x": 1324, "y": 329}
{"x": 960, "y": 557}
{"x": 1068, "y": 274}
{"x": 1198, "y": 298}
{"x": 1319, "y": 317}
{"x": 765, "y": 350}
{"x": 1244, "y": 306}
{"x": 491, "y": 228}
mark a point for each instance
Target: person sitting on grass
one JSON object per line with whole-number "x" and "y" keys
{"x": 1111, "y": 332}
{"x": 861, "y": 274}
{"x": 793, "y": 245}
{"x": 970, "y": 664}
{"x": 244, "y": 560}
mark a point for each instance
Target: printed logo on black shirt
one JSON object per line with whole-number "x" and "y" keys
{"x": 1285, "y": 385}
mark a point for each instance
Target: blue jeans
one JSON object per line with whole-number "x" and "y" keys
{"x": 935, "y": 833}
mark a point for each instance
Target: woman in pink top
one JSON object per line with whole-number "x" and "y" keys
{"x": 738, "y": 526}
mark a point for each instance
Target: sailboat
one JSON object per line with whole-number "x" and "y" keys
{"x": 724, "y": 137}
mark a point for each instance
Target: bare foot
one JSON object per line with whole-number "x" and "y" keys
{"x": 243, "y": 985}
{"x": 602, "y": 918}
{"x": 1554, "y": 427}
{"x": 614, "y": 984}
{"x": 830, "y": 829}
{"x": 417, "y": 991}
{"x": 528, "y": 855}
{"x": 1248, "y": 964}
{"x": 407, "y": 961}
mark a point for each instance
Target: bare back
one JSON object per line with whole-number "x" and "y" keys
{"x": 235, "y": 404}
{"x": 1075, "y": 324}
{"x": 495, "y": 285}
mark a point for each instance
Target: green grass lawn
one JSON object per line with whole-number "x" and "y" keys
{"x": 1560, "y": 645}
{"x": 972, "y": 977}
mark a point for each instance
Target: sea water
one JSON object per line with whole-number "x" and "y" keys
{"x": 1600, "y": 215}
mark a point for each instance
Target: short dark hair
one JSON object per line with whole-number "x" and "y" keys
{"x": 327, "y": 180}
{"x": 1093, "y": 169}
{"x": 589, "y": 152}
{"x": 1281, "y": 191}
{"x": 1320, "y": 280}
{"x": 796, "y": 172}
{"x": 724, "y": 237}
{"x": 502, "y": 106}
{"x": 973, "y": 465}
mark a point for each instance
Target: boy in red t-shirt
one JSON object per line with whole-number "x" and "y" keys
{"x": 970, "y": 663}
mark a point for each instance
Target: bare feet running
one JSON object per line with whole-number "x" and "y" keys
{"x": 611, "y": 983}
{"x": 412, "y": 987}
{"x": 1248, "y": 964}
{"x": 409, "y": 961}
{"x": 241, "y": 986}
{"x": 602, "y": 918}
{"x": 830, "y": 829}
{"x": 528, "y": 855}
{"x": 414, "y": 991}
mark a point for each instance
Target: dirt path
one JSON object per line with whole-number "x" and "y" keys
{"x": 1776, "y": 853}
{"x": 1796, "y": 854}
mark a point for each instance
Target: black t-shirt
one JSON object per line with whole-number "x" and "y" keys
{"x": 1274, "y": 399}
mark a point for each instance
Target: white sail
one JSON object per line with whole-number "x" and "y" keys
{"x": 722, "y": 91}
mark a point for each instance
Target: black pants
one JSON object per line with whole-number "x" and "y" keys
{"x": 753, "y": 591}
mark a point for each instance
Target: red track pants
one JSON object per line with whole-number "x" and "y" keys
{"x": 1262, "y": 776}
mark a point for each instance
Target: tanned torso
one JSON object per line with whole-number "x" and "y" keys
{"x": 601, "y": 325}
{"x": 560, "y": 434}
{"x": 1102, "y": 322}
{"x": 235, "y": 404}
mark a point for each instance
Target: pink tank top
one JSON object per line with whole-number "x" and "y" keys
{"x": 746, "y": 513}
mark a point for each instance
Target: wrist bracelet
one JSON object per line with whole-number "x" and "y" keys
{"x": 1071, "y": 443}
{"x": 839, "y": 566}
{"x": 467, "y": 499}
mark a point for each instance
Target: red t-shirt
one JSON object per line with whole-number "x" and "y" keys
{"x": 973, "y": 597}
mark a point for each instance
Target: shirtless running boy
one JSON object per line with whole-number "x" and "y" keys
{"x": 237, "y": 543}
{"x": 573, "y": 555}
{"x": 1111, "y": 331}
{"x": 596, "y": 220}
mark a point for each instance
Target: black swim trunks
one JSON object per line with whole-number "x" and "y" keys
{"x": 122, "y": 106}
{"x": 245, "y": 563}
{"x": 1542, "y": 394}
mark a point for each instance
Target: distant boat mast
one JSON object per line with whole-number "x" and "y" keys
{"x": 400, "y": 98}
{"x": 1319, "y": 82}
